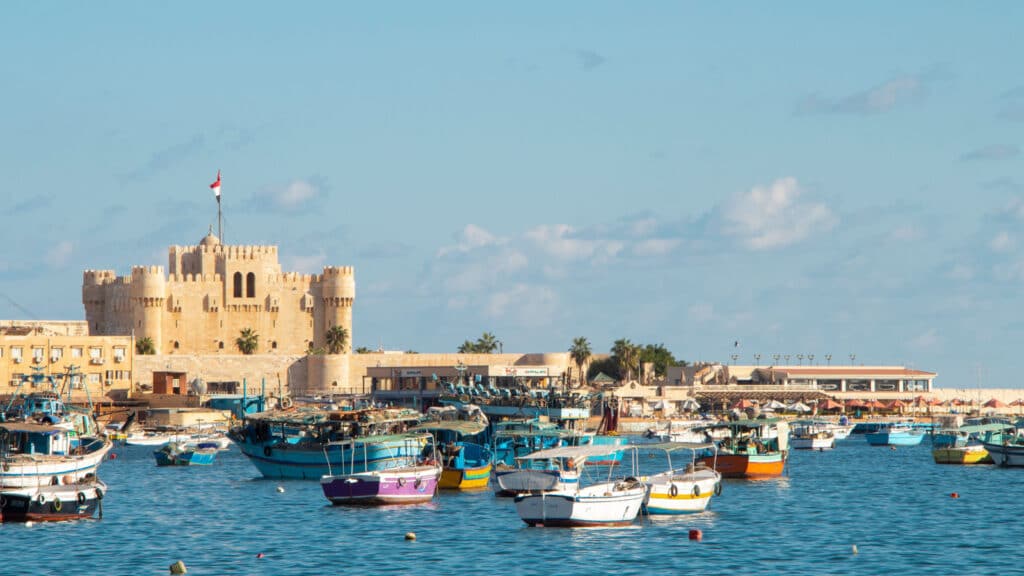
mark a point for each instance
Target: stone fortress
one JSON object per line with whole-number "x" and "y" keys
{"x": 211, "y": 293}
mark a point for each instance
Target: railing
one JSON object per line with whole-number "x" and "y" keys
{"x": 758, "y": 388}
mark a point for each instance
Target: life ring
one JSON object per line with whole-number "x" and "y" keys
{"x": 99, "y": 494}
{"x": 81, "y": 498}
{"x": 718, "y": 488}
{"x": 696, "y": 490}
{"x": 286, "y": 402}
{"x": 401, "y": 482}
{"x": 267, "y": 451}
{"x": 673, "y": 491}
{"x": 57, "y": 504}
{"x": 418, "y": 483}
{"x": 41, "y": 499}
{"x": 3, "y": 501}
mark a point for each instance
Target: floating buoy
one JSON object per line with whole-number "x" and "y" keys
{"x": 113, "y": 456}
{"x": 260, "y": 555}
{"x": 892, "y": 447}
{"x": 178, "y": 568}
{"x": 696, "y": 535}
{"x": 855, "y": 551}
{"x": 29, "y": 524}
{"x": 954, "y": 495}
{"x": 410, "y": 535}
{"x": 280, "y": 489}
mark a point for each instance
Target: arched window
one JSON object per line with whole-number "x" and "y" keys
{"x": 176, "y": 345}
{"x": 250, "y": 285}
{"x": 238, "y": 284}
{"x": 220, "y": 345}
{"x": 273, "y": 344}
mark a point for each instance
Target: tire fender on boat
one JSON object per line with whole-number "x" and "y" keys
{"x": 718, "y": 488}
{"x": 401, "y": 482}
{"x": 673, "y": 490}
{"x": 40, "y": 498}
{"x": 418, "y": 483}
{"x": 81, "y": 497}
{"x": 696, "y": 490}
{"x": 267, "y": 451}
{"x": 57, "y": 504}
{"x": 3, "y": 501}
{"x": 99, "y": 493}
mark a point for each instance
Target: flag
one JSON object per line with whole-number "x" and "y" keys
{"x": 216, "y": 186}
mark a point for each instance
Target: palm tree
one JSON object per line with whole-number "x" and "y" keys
{"x": 144, "y": 346}
{"x": 467, "y": 347}
{"x": 363, "y": 350}
{"x": 248, "y": 341}
{"x": 626, "y": 355}
{"x": 580, "y": 353}
{"x": 336, "y": 338}
{"x": 487, "y": 343}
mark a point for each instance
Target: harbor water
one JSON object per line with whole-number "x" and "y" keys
{"x": 895, "y": 506}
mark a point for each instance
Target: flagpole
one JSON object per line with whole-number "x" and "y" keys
{"x": 220, "y": 232}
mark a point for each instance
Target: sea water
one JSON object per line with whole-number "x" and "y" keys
{"x": 895, "y": 506}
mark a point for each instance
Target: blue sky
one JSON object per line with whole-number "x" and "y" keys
{"x": 801, "y": 177}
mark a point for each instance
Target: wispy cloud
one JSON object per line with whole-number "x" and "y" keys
{"x": 774, "y": 216}
{"x": 59, "y": 255}
{"x": 562, "y": 241}
{"x": 590, "y": 59}
{"x": 524, "y": 303}
{"x": 992, "y": 152}
{"x": 292, "y": 196}
{"x": 385, "y": 249}
{"x": 898, "y": 91}
{"x": 1002, "y": 242}
{"x": 470, "y": 238}
{"x": 37, "y": 202}
{"x": 927, "y": 339}
{"x": 168, "y": 157}
{"x": 1011, "y": 105}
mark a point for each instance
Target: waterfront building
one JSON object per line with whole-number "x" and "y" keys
{"x": 829, "y": 379}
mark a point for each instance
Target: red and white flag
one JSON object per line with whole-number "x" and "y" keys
{"x": 216, "y": 186}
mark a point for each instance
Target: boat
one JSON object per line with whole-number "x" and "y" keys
{"x": 410, "y": 483}
{"x": 895, "y": 435}
{"x": 44, "y": 441}
{"x": 609, "y": 503}
{"x": 148, "y": 438}
{"x": 1004, "y": 449}
{"x": 528, "y": 474}
{"x": 50, "y": 503}
{"x": 685, "y": 490}
{"x": 290, "y": 443}
{"x": 466, "y": 465}
{"x": 968, "y": 454}
{"x": 962, "y": 444}
{"x": 755, "y": 448}
{"x": 183, "y": 454}
{"x": 812, "y": 436}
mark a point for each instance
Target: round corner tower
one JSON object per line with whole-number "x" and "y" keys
{"x": 337, "y": 294}
{"x": 148, "y": 293}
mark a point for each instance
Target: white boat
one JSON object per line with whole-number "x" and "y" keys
{"x": 1008, "y": 452}
{"x": 610, "y": 503}
{"x": 812, "y": 436}
{"x": 839, "y": 431}
{"x": 681, "y": 491}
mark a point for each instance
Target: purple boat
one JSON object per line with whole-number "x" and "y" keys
{"x": 412, "y": 482}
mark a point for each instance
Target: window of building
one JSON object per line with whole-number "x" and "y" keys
{"x": 220, "y": 345}
{"x": 95, "y": 352}
{"x": 1, "y": 352}
{"x": 56, "y": 354}
{"x": 16, "y": 353}
{"x": 76, "y": 351}
{"x": 37, "y": 353}
{"x": 94, "y": 378}
{"x": 238, "y": 285}
{"x": 119, "y": 354}
{"x": 273, "y": 344}
{"x": 250, "y": 285}
{"x": 176, "y": 345}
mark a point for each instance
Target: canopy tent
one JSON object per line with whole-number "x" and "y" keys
{"x": 829, "y": 404}
{"x": 854, "y": 403}
{"x": 743, "y": 405}
{"x": 602, "y": 379}
{"x": 995, "y": 403}
{"x": 773, "y": 405}
{"x": 798, "y": 407}
{"x": 874, "y": 404}
{"x": 895, "y": 405}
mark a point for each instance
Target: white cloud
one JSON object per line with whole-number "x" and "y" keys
{"x": 772, "y": 216}
{"x": 471, "y": 238}
{"x": 525, "y": 303}
{"x": 961, "y": 272}
{"x": 557, "y": 240}
{"x": 60, "y": 254}
{"x": 485, "y": 271}
{"x": 907, "y": 233}
{"x": 656, "y": 246}
{"x": 1002, "y": 242}
{"x": 296, "y": 193}
{"x": 925, "y": 340}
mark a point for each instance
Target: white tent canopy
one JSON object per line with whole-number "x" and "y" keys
{"x": 798, "y": 407}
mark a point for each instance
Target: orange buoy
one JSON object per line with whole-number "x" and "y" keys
{"x": 954, "y": 495}
{"x": 696, "y": 535}
{"x": 260, "y": 555}
{"x": 113, "y": 456}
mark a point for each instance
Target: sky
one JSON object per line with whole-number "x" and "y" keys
{"x": 722, "y": 178}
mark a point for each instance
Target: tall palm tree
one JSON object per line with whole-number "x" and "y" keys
{"x": 487, "y": 343}
{"x": 248, "y": 341}
{"x": 336, "y": 338}
{"x": 626, "y": 355}
{"x": 145, "y": 346}
{"x": 580, "y": 353}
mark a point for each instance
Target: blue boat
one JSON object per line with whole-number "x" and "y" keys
{"x": 292, "y": 443}
{"x": 895, "y": 435}
{"x": 177, "y": 454}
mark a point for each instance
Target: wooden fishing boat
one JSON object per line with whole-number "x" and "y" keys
{"x": 182, "y": 454}
{"x": 411, "y": 483}
{"x": 466, "y": 465}
{"x": 51, "y": 503}
{"x": 685, "y": 490}
{"x": 755, "y": 448}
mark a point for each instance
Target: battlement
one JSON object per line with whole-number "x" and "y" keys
{"x": 293, "y": 278}
{"x": 338, "y": 271}
{"x": 98, "y": 277}
{"x": 139, "y": 271}
{"x": 195, "y": 278}
{"x": 249, "y": 252}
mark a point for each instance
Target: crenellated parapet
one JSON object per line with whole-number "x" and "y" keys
{"x": 98, "y": 277}
{"x": 338, "y": 285}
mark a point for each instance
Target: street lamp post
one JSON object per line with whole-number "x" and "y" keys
{"x": 828, "y": 358}
{"x": 734, "y": 357}
{"x": 800, "y": 359}
{"x": 757, "y": 359}
{"x": 852, "y": 358}
{"x": 810, "y": 359}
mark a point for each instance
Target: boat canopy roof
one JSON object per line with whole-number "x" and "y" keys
{"x": 973, "y": 428}
{"x": 745, "y": 423}
{"x": 381, "y": 439}
{"x": 463, "y": 427}
{"x": 313, "y": 416}
{"x": 671, "y": 446}
{"x": 552, "y": 433}
{"x": 574, "y": 452}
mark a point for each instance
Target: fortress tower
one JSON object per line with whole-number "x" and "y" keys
{"x": 211, "y": 292}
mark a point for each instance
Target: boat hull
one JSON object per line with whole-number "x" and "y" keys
{"x": 962, "y": 455}
{"x": 412, "y": 485}
{"x": 894, "y": 438}
{"x": 51, "y": 503}
{"x": 189, "y": 457}
{"x": 679, "y": 495}
{"x": 311, "y": 463}
{"x": 1005, "y": 455}
{"x": 588, "y": 508}
{"x": 769, "y": 465}
{"x": 812, "y": 443}
{"x": 511, "y": 482}
{"x": 465, "y": 478}
{"x": 30, "y": 470}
